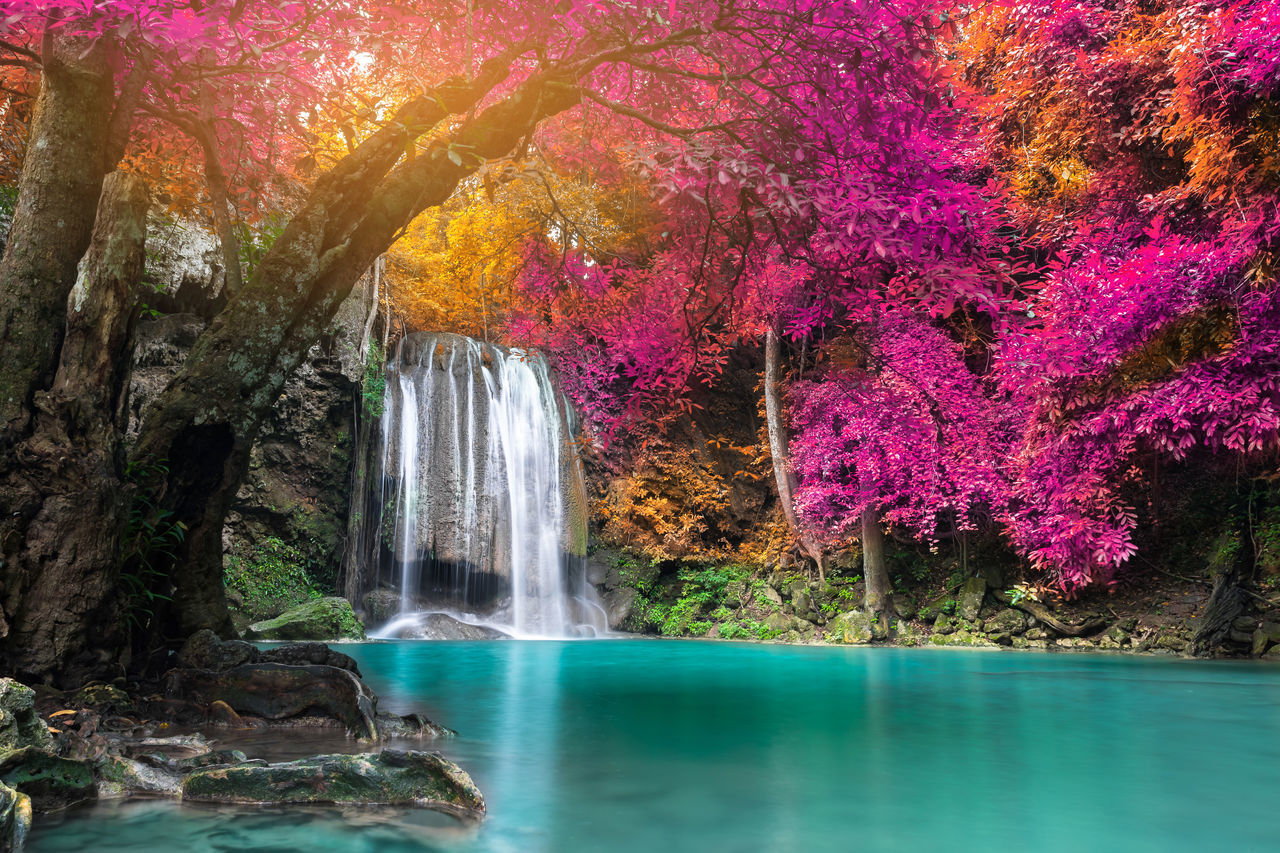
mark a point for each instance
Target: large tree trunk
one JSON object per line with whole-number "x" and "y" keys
{"x": 203, "y": 425}
{"x": 874, "y": 569}
{"x": 780, "y": 451}
{"x": 52, "y": 223}
{"x": 64, "y": 481}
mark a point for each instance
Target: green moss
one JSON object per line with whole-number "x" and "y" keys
{"x": 270, "y": 577}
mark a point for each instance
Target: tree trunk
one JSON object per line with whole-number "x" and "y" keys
{"x": 779, "y": 449}
{"x": 202, "y": 426}
{"x": 874, "y": 570}
{"x": 52, "y": 223}
{"x": 65, "y": 482}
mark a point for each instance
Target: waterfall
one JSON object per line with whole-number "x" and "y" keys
{"x": 480, "y": 510}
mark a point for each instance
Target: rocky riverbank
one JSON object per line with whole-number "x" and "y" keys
{"x": 105, "y": 741}
{"x": 1160, "y": 615}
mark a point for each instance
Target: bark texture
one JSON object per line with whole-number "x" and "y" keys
{"x": 879, "y": 588}
{"x": 52, "y": 223}
{"x": 63, "y": 489}
{"x": 780, "y": 448}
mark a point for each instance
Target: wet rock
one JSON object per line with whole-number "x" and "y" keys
{"x": 178, "y": 747}
{"x": 119, "y": 776}
{"x": 380, "y": 606}
{"x": 319, "y": 619}
{"x": 15, "y": 818}
{"x": 969, "y": 602}
{"x": 410, "y": 726}
{"x": 442, "y": 626}
{"x": 280, "y": 692}
{"x": 52, "y": 782}
{"x": 1007, "y": 621}
{"x": 304, "y": 654}
{"x": 1170, "y": 642}
{"x": 206, "y": 650}
{"x": 1272, "y": 653}
{"x": 1115, "y": 634}
{"x": 19, "y": 724}
{"x": 392, "y": 777}
{"x": 854, "y": 627}
{"x": 618, "y": 604}
{"x": 1036, "y": 634}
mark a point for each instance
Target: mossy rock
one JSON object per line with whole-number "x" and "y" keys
{"x": 20, "y": 725}
{"x": 392, "y": 777}
{"x": 15, "y": 818}
{"x": 943, "y": 605}
{"x": 855, "y": 627}
{"x": 50, "y": 781}
{"x": 319, "y": 619}
{"x": 961, "y": 638}
{"x": 969, "y": 602}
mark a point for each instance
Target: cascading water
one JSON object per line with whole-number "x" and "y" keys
{"x": 480, "y": 513}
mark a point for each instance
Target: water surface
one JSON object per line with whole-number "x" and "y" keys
{"x": 673, "y": 746}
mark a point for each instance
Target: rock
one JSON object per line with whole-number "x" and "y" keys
{"x": 15, "y": 818}
{"x": 908, "y": 634}
{"x": 19, "y": 724}
{"x": 969, "y": 602}
{"x": 802, "y": 603}
{"x": 771, "y": 594}
{"x": 1244, "y": 624}
{"x": 1007, "y": 621}
{"x": 1002, "y": 638}
{"x": 176, "y": 748}
{"x": 392, "y": 777}
{"x": 319, "y": 619}
{"x": 1271, "y": 630}
{"x": 713, "y": 633}
{"x": 380, "y": 606}
{"x": 1116, "y": 634}
{"x": 932, "y": 609}
{"x": 106, "y": 698}
{"x": 617, "y": 605}
{"x": 50, "y": 781}
{"x": 1259, "y": 644}
{"x": 734, "y": 592}
{"x": 778, "y": 621}
{"x": 1036, "y": 634}
{"x": 410, "y": 726}
{"x": 1170, "y": 641}
{"x": 903, "y": 604}
{"x": 278, "y": 692}
{"x": 944, "y": 624}
{"x": 962, "y": 638}
{"x": 1272, "y": 653}
{"x": 205, "y": 650}
{"x": 854, "y": 627}
{"x": 442, "y": 626}
{"x": 119, "y": 776}
{"x": 304, "y": 654}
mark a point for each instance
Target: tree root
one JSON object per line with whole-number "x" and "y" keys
{"x": 1042, "y": 613}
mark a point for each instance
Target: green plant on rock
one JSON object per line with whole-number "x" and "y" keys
{"x": 271, "y": 576}
{"x": 373, "y": 385}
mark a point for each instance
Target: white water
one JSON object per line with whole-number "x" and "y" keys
{"x": 476, "y": 446}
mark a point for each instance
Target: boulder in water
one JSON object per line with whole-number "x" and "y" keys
{"x": 319, "y": 619}
{"x": 380, "y": 606}
{"x": 15, "y": 818}
{"x": 50, "y": 781}
{"x": 442, "y": 626}
{"x": 280, "y": 692}
{"x": 392, "y": 777}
